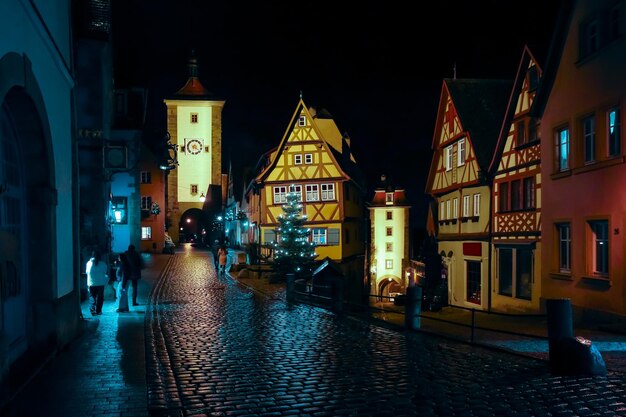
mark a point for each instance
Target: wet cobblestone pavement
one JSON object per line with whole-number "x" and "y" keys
{"x": 216, "y": 348}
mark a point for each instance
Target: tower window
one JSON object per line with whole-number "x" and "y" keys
{"x": 194, "y": 117}
{"x": 194, "y": 189}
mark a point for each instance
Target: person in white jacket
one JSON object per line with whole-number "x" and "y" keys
{"x": 97, "y": 278}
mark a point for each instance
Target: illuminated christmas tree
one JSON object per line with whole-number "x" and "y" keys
{"x": 293, "y": 253}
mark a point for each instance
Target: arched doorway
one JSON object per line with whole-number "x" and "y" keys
{"x": 389, "y": 285}
{"x": 193, "y": 226}
{"x": 27, "y": 232}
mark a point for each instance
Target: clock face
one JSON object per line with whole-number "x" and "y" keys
{"x": 194, "y": 146}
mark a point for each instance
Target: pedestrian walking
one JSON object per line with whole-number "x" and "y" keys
{"x": 123, "y": 276}
{"x": 97, "y": 278}
{"x": 215, "y": 249}
{"x": 136, "y": 265}
{"x": 223, "y": 257}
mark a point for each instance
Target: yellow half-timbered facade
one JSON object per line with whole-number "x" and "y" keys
{"x": 466, "y": 131}
{"x": 516, "y": 199}
{"x": 315, "y": 158}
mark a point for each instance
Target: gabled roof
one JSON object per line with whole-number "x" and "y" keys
{"x": 343, "y": 160}
{"x": 527, "y": 57}
{"x": 480, "y": 106}
{"x": 380, "y": 194}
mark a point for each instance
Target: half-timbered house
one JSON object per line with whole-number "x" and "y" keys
{"x": 516, "y": 206}
{"x": 466, "y": 131}
{"x": 316, "y": 159}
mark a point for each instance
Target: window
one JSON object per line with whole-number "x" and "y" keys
{"x": 442, "y": 211}
{"x": 448, "y": 157}
{"x": 388, "y": 247}
{"x": 302, "y": 120}
{"x": 614, "y": 132}
{"x": 476, "y": 205}
{"x": 562, "y": 149}
{"x": 503, "y": 197}
{"x": 146, "y": 233}
{"x": 466, "y": 206}
{"x": 388, "y": 198}
{"x": 455, "y": 208}
{"x": 280, "y": 194}
{"x": 516, "y": 195}
{"x": 194, "y": 189}
{"x": 589, "y": 38}
{"x": 529, "y": 193}
{"x": 589, "y": 139}
{"x": 600, "y": 246}
{"x": 312, "y": 192}
{"x": 565, "y": 247}
{"x": 461, "y": 153}
{"x": 515, "y": 266}
{"x": 389, "y": 231}
{"x": 297, "y": 159}
{"x": 389, "y": 214}
{"x": 448, "y": 216}
{"x": 308, "y": 158}
{"x": 319, "y": 236}
{"x": 532, "y": 130}
{"x": 194, "y": 117}
{"x": 388, "y": 263}
{"x": 520, "y": 132}
{"x": 472, "y": 281}
{"x": 328, "y": 192}
{"x": 146, "y": 202}
{"x": 295, "y": 189}
{"x": 119, "y": 211}
{"x": 146, "y": 177}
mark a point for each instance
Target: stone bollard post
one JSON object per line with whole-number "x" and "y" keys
{"x": 337, "y": 295}
{"x": 413, "y": 308}
{"x": 560, "y": 324}
{"x": 291, "y": 287}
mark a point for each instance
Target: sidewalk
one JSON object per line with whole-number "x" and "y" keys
{"x": 102, "y": 372}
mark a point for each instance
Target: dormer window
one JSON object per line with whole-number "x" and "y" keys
{"x": 389, "y": 198}
{"x": 302, "y": 121}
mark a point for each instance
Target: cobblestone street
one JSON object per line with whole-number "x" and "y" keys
{"x": 218, "y": 348}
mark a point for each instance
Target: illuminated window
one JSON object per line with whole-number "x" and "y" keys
{"x": 466, "y": 206}
{"x": 389, "y": 214}
{"x": 302, "y": 120}
{"x": 312, "y": 192}
{"x": 319, "y": 236}
{"x": 146, "y": 177}
{"x": 614, "y": 132}
{"x": 328, "y": 192}
{"x": 388, "y": 263}
{"x": 297, "y": 159}
{"x": 461, "y": 153}
{"x": 280, "y": 194}
{"x": 146, "y": 202}
{"x": 146, "y": 233}
{"x": 448, "y": 158}
{"x": 194, "y": 117}
{"x": 389, "y": 231}
{"x": 388, "y": 247}
{"x": 600, "y": 246}
{"x": 562, "y": 149}
{"x": 565, "y": 246}
{"x": 308, "y": 158}
{"x": 119, "y": 210}
{"x": 476, "y": 205}
{"x": 589, "y": 139}
{"x": 194, "y": 189}
{"x": 388, "y": 198}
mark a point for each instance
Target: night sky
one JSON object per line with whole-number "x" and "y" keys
{"x": 377, "y": 67}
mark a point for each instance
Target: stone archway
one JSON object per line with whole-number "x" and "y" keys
{"x": 193, "y": 226}
{"x": 389, "y": 284}
{"x": 27, "y": 220}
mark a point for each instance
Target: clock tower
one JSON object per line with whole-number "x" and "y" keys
{"x": 194, "y": 122}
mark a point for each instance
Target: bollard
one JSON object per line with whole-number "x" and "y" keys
{"x": 291, "y": 287}
{"x": 337, "y": 295}
{"x": 560, "y": 325}
{"x": 413, "y": 308}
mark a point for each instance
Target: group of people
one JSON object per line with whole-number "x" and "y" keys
{"x": 129, "y": 269}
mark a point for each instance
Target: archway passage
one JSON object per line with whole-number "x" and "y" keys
{"x": 388, "y": 286}
{"x": 28, "y": 238}
{"x": 194, "y": 226}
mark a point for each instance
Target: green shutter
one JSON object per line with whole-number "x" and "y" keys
{"x": 333, "y": 237}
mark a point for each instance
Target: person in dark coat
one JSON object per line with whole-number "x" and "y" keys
{"x": 215, "y": 249}
{"x": 136, "y": 265}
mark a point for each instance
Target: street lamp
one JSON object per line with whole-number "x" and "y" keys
{"x": 202, "y": 198}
